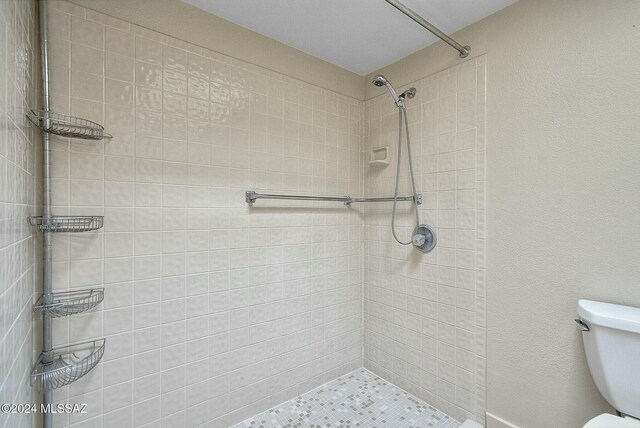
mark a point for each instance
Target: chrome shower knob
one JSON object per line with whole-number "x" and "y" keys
{"x": 424, "y": 238}
{"x": 418, "y": 240}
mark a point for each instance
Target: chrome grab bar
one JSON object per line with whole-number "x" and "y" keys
{"x": 251, "y": 196}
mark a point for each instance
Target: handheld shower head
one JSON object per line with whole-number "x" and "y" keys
{"x": 380, "y": 81}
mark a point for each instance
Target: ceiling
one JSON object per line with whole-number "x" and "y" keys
{"x": 359, "y": 35}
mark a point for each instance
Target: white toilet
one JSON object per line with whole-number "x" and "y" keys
{"x": 611, "y": 336}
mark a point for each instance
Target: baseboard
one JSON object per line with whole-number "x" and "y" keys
{"x": 495, "y": 422}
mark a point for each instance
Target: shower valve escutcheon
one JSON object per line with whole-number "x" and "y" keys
{"x": 424, "y": 238}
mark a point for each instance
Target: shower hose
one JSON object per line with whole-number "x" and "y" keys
{"x": 403, "y": 122}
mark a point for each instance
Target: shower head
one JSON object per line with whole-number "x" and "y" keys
{"x": 380, "y": 81}
{"x": 409, "y": 93}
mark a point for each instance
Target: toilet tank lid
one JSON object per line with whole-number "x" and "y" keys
{"x": 620, "y": 317}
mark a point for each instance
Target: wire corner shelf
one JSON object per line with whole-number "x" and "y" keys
{"x": 66, "y": 364}
{"x": 66, "y": 303}
{"x": 67, "y": 223}
{"x": 67, "y": 126}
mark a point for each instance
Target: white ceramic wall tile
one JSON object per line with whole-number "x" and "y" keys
{"x": 425, "y": 314}
{"x": 18, "y": 146}
{"x": 214, "y": 310}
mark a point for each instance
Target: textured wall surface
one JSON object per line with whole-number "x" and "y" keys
{"x": 213, "y": 310}
{"x": 18, "y": 139}
{"x": 562, "y": 201}
{"x": 185, "y": 22}
{"x": 425, "y": 313}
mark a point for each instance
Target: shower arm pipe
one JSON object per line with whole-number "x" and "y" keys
{"x": 464, "y": 50}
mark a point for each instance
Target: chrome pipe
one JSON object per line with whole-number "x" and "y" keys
{"x": 417, "y": 198}
{"x": 250, "y": 197}
{"x": 46, "y": 106}
{"x": 47, "y": 258}
{"x": 464, "y": 50}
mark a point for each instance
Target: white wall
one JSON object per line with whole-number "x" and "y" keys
{"x": 563, "y": 194}
{"x": 214, "y": 310}
{"x": 18, "y": 139}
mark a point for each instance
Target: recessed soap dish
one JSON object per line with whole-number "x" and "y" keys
{"x": 379, "y": 156}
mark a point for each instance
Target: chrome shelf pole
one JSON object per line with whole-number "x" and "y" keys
{"x": 47, "y": 341}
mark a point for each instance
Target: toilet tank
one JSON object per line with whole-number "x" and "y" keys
{"x": 612, "y": 346}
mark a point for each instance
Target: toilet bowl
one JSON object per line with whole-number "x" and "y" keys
{"x": 611, "y": 337}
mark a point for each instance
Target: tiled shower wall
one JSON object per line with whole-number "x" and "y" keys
{"x": 18, "y": 139}
{"x": 214, "y": 310}
{"x": 425, "y": 314}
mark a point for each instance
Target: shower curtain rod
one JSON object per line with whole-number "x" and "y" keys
{"x": 464, "y": 50}
{"x": 250, "y": 197}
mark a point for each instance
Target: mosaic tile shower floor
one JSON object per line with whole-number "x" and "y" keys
{"x": 358, "y": 399}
